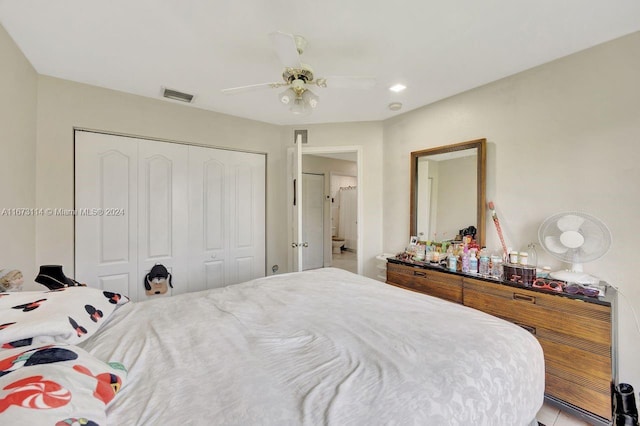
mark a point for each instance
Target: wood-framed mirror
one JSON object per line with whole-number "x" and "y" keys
{"x": 448, "y": 191}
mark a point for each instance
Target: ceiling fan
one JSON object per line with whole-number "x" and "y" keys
{"x": 297, "y": 76}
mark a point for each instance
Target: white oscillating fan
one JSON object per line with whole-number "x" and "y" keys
{"x": 575, "y": 238}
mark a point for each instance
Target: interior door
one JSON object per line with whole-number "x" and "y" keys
{"x": 297, "y": 244}
{"x": 227, "y": 210}
{"x": 162, "y": 213}
{"x": 313, "y": 220}
{"x": 106, "y": 245}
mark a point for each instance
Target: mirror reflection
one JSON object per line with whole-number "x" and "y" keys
{"x": 448, "y": 192}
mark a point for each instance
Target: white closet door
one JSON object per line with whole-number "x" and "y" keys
{"x": 227, "y": 217}
{"x": 162, "y": 213}
{"x": 198, "y": 211}
{"x": 106, "y": 177}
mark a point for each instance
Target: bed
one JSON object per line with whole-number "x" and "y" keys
{"x": 322, "y": 347}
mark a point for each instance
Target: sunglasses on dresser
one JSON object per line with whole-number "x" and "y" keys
{"x": 584, "y": 291}
{"x": 547, "y": 285}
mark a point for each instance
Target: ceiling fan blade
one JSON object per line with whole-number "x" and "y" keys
{"x": 347, "y": 82}
{"x": 241, "y": 89}
{"x": 286, "y": 49}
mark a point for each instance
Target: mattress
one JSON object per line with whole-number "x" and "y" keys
{"x": 322, "y": 347}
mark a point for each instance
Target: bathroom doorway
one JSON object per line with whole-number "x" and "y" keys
{"x": 343, "y": 218}
{"x": 342, "y": 201}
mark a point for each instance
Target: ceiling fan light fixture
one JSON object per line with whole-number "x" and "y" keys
{"x": 300, "y": 107}
{"x": 310, "y": 98}
{"x": 287, "y": 96}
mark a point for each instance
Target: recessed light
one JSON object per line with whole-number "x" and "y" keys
{"x": 395, "y": 106}
{"x": 397, "y": 88}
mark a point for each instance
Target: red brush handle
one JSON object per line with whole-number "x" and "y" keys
{"x": 499, "y": 229}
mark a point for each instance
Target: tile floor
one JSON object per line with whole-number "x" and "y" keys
{"x": 551, "y": 416}
{"x": 347, "y": 260}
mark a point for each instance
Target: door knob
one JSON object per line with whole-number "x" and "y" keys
{"x": 305, "y": 244}
{"x": 294, "y": 245}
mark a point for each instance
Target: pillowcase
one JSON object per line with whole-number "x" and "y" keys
{"x": 56, "y": 385}
{"x": 66, "y": 315}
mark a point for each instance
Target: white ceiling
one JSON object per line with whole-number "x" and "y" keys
{"x": 437, "y": 48}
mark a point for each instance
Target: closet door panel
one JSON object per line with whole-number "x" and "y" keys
{"x": 106, "y": 178}
{"x": 245, "y": 268}
{"x": 226, "y": 194}
{"x": 158, "y": 205}
{"x": 213, "y": 216}
{"x": 118, "y": 283}
{"x": 247, "y": 214}
{"x": 163, "y": 218}
{"x": 208, "y": 233}
{"x": 214, "y": 274}
{"x": 113, "y": 191}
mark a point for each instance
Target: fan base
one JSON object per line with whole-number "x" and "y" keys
{"x": 575, "y": 277}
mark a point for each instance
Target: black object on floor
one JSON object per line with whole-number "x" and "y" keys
{"x": 624, "y": 404}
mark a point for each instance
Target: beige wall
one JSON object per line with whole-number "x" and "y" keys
{"x": 368, "y": 135}
{"x": 562, "y": 136}
{"x": 18, "y": 97}
{"x": 63, "y": 105}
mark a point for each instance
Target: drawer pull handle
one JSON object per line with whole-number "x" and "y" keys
{"x": 419, "y": 274}
{"x": 524, "y": 298}
{"x": 530, "y": 329}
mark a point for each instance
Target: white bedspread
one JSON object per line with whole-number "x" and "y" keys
{"x": 322, "y": 347}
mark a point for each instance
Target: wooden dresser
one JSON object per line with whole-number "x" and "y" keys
{"x": 577, "y": 333}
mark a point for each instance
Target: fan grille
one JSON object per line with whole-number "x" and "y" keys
{"x": 597, "y": 237}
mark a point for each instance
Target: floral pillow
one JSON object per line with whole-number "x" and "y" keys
{"x": 66, "y": 315}
{"x": 56, "y": 385}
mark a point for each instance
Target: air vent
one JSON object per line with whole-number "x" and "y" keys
{"x": 302, "y": 134}
{"x": 177, "y": 96}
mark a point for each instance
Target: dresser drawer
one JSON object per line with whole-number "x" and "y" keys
{"x": 595, "y": 402}
{"x": 573, "y": 317}
{"x": 577, "y": 376}
{"x": 433, "y": 283}
{"x": 575, "y": 337}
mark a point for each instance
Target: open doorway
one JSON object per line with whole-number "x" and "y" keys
{"x": 343, "y": 217}
{"x": 340, "y": 210}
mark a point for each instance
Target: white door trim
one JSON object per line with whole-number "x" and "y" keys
{"x": 341, "y": 149}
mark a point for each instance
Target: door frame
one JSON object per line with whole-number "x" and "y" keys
{"x": 357, "y": 149}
